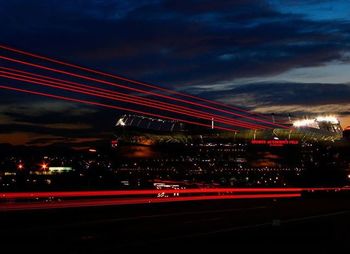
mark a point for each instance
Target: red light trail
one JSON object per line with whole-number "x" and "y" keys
{"x": 126, "y": 99}
{"x": 134, "y": 201}
{"x": 71, "y": 194}
{"x": 125, "y": 79}
{"x": 132, "y": 197}
{"x": 109, "y": 193}
{"x": 208, "y": 116}
{"x": 136, "y": 90}
{"x": 109, "y": 106}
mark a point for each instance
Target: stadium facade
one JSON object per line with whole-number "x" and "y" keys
{"x": 136, "y": 129}
{"x": 292, "y": 156}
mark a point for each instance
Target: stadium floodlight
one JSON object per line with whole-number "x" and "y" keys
{"x": 329, "y": 119}
{"x": 306, "y": 123}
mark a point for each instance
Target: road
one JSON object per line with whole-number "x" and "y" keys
{"x": 313, "y": 223}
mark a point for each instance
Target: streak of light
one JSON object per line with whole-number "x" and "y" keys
{"x": 109, "y": 106}
{"x": 123, "y": 98}
{"x": 127, "y": 80}
{"x": 135, "y": 89}
{"x": 105, "y": 193}
{"x": 134, "y": 201}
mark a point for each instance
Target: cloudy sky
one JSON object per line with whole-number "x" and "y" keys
{"x": 280, "y": 56}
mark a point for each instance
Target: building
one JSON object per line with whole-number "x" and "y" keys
{"x": 134, "y": 129}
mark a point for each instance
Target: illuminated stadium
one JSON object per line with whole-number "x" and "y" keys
{"x": 265, "y": 157}
{"x": 136, "y": 129}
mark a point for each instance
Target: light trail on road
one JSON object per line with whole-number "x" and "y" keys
{"x": 110, "y": 193}
{"x": 133, "y": 201}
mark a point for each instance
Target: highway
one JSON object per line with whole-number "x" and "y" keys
{"x": 24, "y": 206}
{"x": 25, "y": 201}
{"x": 315, "y": 223}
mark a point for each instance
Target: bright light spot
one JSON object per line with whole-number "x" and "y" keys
{"x": 306, "y": 123}
{"x": 44, "y": 166}
{"x": 20, "y": 166}
{"x": 92, "y": 150}
{"x": 329, "y": 119}
{"x": 121, "y": 122}
{"x": 314, "y": 123}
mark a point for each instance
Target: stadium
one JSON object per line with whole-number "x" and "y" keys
{"x": 142, "y": 130}
{"x": 307, "y": 150}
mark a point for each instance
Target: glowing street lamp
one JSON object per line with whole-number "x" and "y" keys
{"x": 20, "y": 166}
{"x": 44, "y": 166}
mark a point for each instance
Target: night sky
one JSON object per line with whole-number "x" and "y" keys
{"x": 269, "y": 56}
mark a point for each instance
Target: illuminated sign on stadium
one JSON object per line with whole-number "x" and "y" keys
{"x": 274, "y": 142}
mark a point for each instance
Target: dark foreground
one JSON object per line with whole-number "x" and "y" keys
{"x": 311, "y": 224}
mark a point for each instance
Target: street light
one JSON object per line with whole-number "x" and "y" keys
{"x": 44, "y": 166}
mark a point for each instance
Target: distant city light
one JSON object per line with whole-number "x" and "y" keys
{"x": 20, "y": 166}
{"x": 60, "y": 169}
{"x": 114, "y": 143}
{"x": 91, "y": 150}
{"x": 44, "y": 166}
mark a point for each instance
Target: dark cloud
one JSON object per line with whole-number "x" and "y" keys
{"x": 174, "y": 42}
{"x": 49, "y": 121}
{"x": 299, "y": 99}
{"x": 288, "y": 93}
